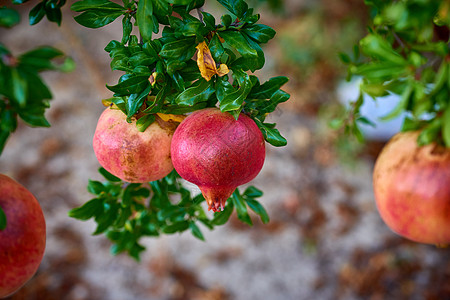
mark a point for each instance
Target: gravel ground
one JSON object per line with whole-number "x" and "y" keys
{"x": 325, "y": 239}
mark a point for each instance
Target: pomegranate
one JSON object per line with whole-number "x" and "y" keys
{"x": 22, "y": 242}
{"x": 412, "y": 189}
{"x": 217, "y": 153}
{"x": 129, "y": 154}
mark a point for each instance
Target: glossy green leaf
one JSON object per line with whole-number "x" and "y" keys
{"x": 236, "y": 40}
{"x": 181, "y": 49}
{"x": 132, "y": 85}
{"x": 180, "y": 2}
{"x": 96, "y": 5}
{"x": 54, "y": 14}
{"x": 271, "y": 134}
{"x": 127, "y": 27}
{"x": 144, "y": 19}
{"x": 237, "y": 7}
{"x": 95, "y": 187}
{"x": 233, "y": 100}
{"x": 8, "y": 17}
{"x": 97, "y": 18}
{"x": 36, "y": 13}
{"x": 267, "y": 89}
{"x": 260, "y": 33}
{"x": 200, "y": 92}
{"x": 135, "y": 101}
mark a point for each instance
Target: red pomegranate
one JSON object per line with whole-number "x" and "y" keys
{"x": 217, "y": 153}
{"x": 129, "y": 154}
{"x": 22, "y": 242}
{"x": 412, "y": 189}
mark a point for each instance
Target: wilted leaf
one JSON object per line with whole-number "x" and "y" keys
{"x": 206, "y": 63}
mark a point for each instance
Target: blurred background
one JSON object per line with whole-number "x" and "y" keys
{"x": 325, "y": 239}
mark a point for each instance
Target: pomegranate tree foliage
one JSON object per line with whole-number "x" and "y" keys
{"x": 405, "y": 52}
{"x": 161, "y": 75}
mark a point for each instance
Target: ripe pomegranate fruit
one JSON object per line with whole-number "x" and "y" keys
{"x": 22, "y": 242}
{"x": 412, "y": 189}
{"x": 217, "y": 153}
{"x": 129, "y": 154}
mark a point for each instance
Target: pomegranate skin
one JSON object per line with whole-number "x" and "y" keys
{"x": 412, "y": 189}
{"x": 22, "y": 242}
{"x": 217, "y": 153}
{"x": 129, "y": 154}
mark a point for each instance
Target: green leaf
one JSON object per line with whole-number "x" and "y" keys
{"x": 8, "y": 17}
{"x": 53, "y": 14}
{"x": 376, "y": 47}
{"x": 267, "y": 89}
{"x": 216, "y": 48}
{"x": 446, "y": 126}
{"x": 96, "y": 5}
{"x": 2, "y": 219}
{"x": 176, "y": 227}
{"x": 19, "y": 86}
{"x": 144, "y": 19}
{"x": 36, "y": 13}
{"x": 135, "y": 101}
{"x": 237, "y": 7}
{"x": 271, "y": 135}
{"x": 233, "y": 100}
{"x": 196, "y": 231}
{"x": 33, "y": 115}
{"x": 131, "y": 85}
{"x": 143, "y": 122}
{"x": 401, "y": 106}
{"x": 260, "y": 33}
{"x": 180, "y": 2}
{"x": 127, "y": 27}
{"x": 95, "y": 187}
{"x": 199, "y": 92}
{"x": 181, "y": 49}
{"x": 241, "y": 208}
{"x": 88, "y": 210}
{"x": 236, "y": 40}
{"x": 97, "y": 18}
{"x": 258, "y": 209}
{"x": 252, "y": 192}
{"x": 108, "y": 176}
{"x": 222, "y": 217}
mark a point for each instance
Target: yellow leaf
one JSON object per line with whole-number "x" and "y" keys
{"x": 223, "y": 70}
{"x": 168, "y": 117}
{"x": 206, "y": 63}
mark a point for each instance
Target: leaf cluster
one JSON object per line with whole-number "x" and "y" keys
{"x": 161, "y": 75}
{"x": 23, "y": 93}
{"x": 127, "y": 212}
{"x": 406, "y": 53}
